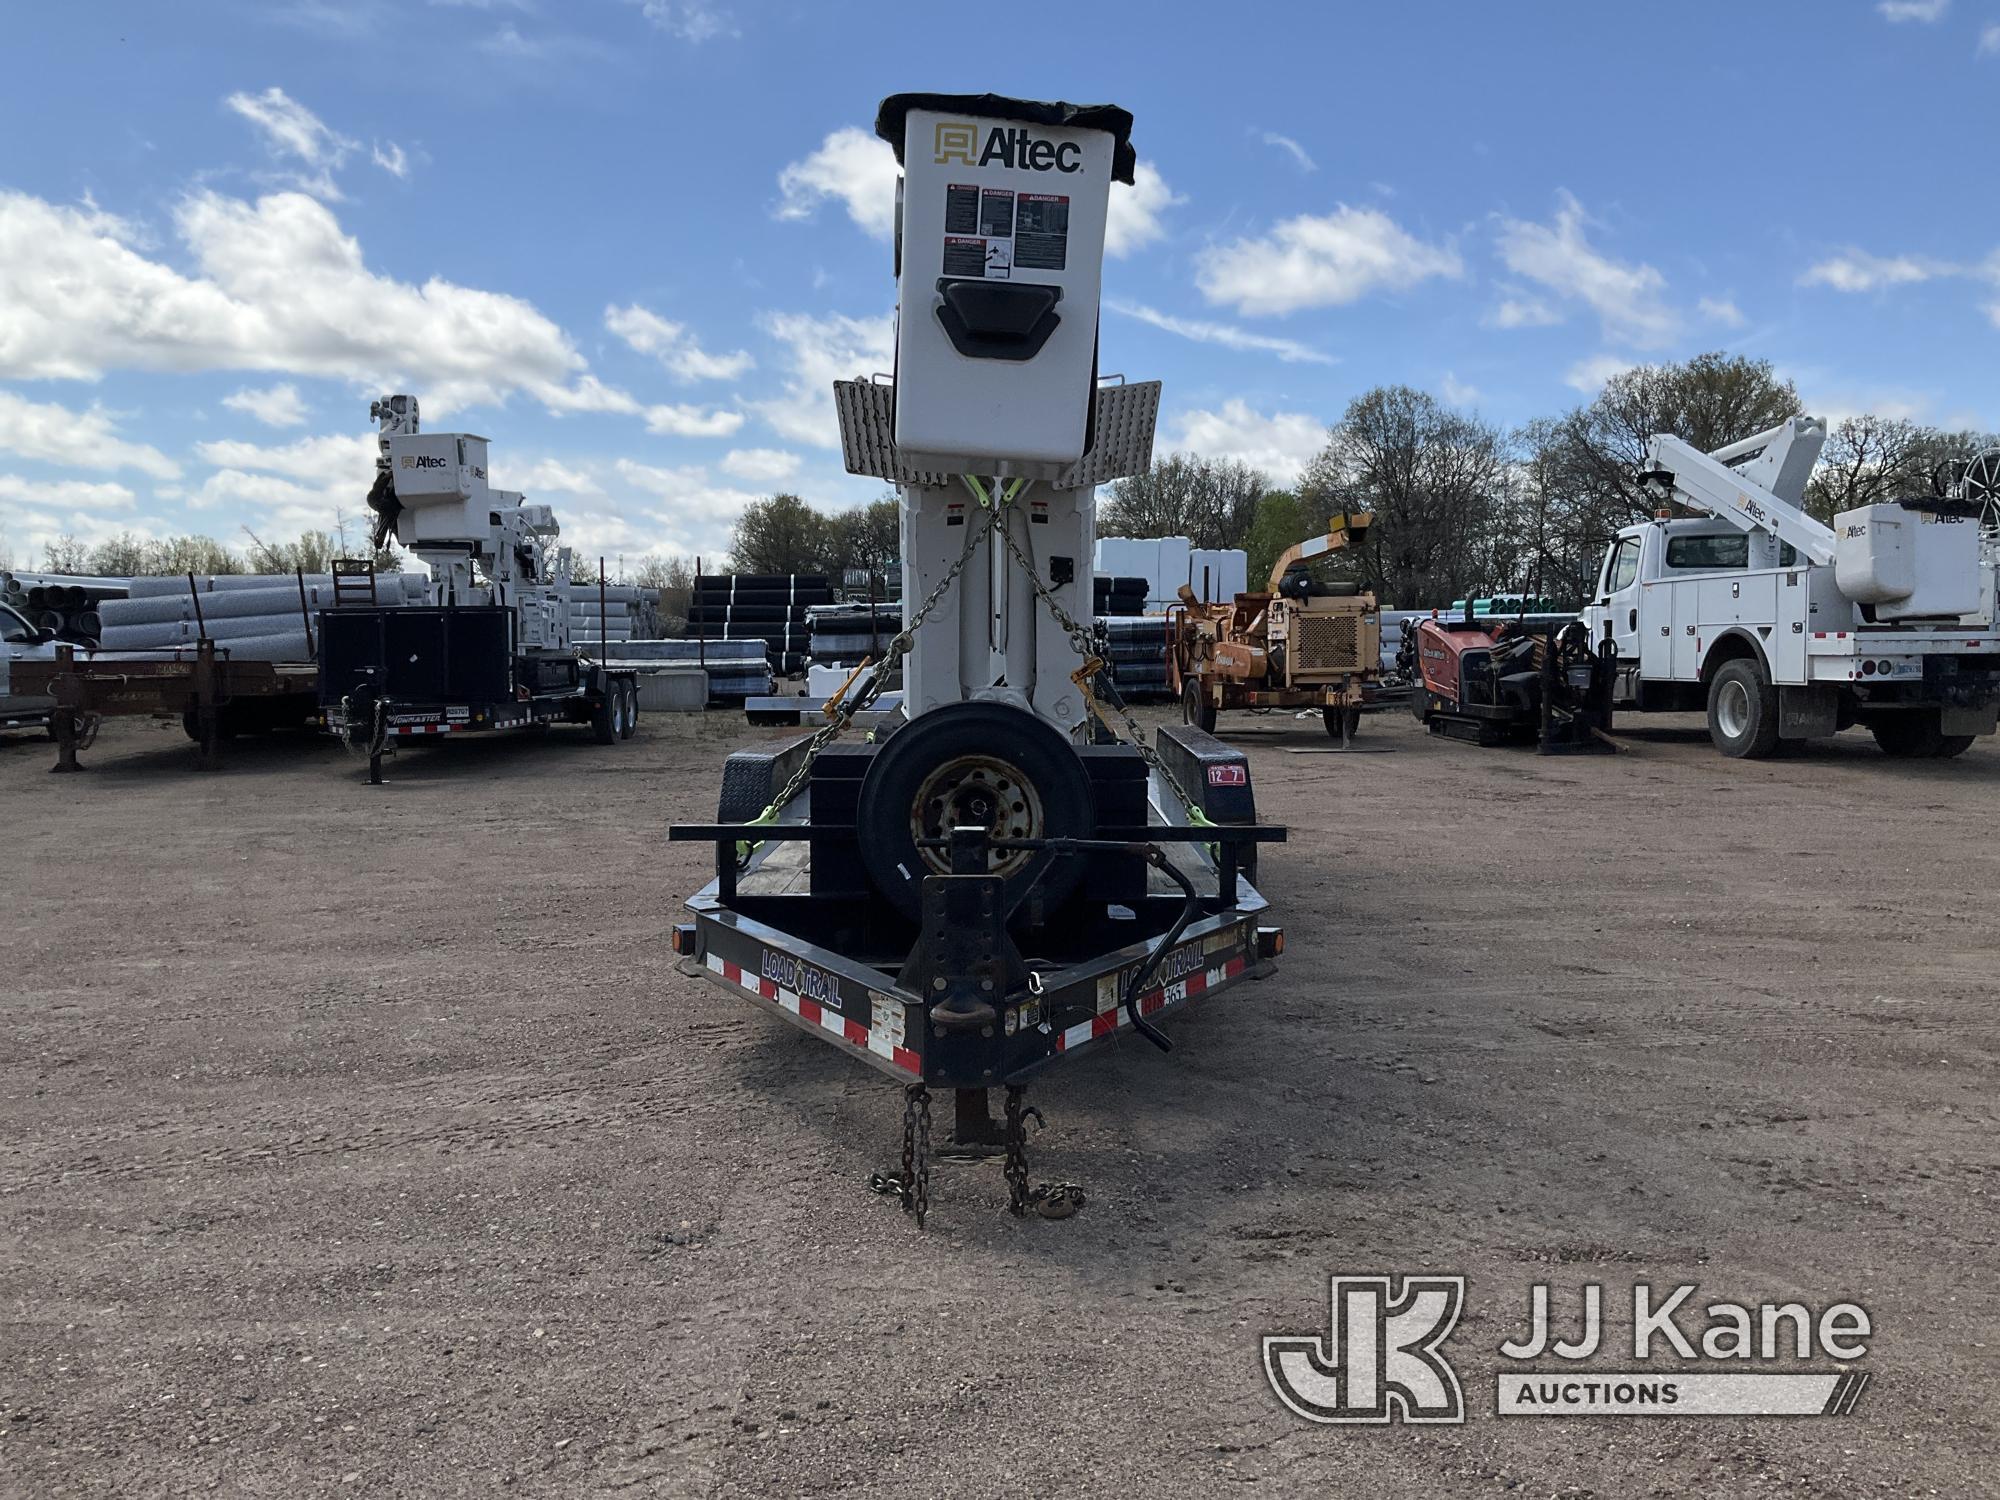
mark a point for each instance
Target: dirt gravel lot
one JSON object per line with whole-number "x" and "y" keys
{"x": 367, "y": 1142}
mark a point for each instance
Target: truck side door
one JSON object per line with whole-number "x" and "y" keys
{"x": 1618, "y": 595}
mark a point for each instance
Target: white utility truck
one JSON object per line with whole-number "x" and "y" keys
{"x": 1783, "y": 628}
{"x": 492, "y": 648}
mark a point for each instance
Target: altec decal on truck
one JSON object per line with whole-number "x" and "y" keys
{"x": 1005, "y": 146}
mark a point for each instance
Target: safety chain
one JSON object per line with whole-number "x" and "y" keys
{"x": 1051, "y": 1200}
{"x": 1016, "y": 1168}
{"x": 916, "y": 1182}
{"x": 871, "y": 686}
{"x": 913, "y": 1184}
{"x": 1081, "y": 642}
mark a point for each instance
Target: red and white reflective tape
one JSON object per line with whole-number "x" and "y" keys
{"x": 395, "y": 729}
{"x": 1107, "y": 1021}
{"x": 812, "y": 1011}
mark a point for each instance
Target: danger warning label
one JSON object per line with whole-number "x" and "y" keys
{"x": 1041, "y": 232}
{"x": 964, "y": 256}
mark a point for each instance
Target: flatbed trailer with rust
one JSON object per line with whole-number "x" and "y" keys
{"x": 213, "y": 696}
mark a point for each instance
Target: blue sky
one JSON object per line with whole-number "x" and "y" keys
{"x": 633, "y": 240}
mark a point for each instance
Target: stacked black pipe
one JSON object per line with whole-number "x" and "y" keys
{"x": 770, "y": 607}
{"x": 1135, "y": 646}
{"x": 1118, "y": 596}
{"x": 852, "y": 633}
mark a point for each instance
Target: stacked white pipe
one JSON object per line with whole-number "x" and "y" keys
{"x": 63, "y": 602}
{"x": 628, "y": 612}
{"x": 252, "y": 616}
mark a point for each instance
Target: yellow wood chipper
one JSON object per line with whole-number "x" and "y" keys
{"x": 1304, "y": 642}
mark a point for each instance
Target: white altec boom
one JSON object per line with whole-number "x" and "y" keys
{"x": 1004, "y": 875}
{"x": 492, "y": 649}
{"x": 1783, "y": 628}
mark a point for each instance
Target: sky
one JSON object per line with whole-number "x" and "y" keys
{"x": 634, "y": 241}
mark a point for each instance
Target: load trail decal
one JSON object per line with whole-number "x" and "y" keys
{"x": 811, "y": 1011}
{"x": 814, "y": 984}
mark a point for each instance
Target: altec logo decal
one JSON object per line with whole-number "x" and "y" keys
{"x": 422, "y": 461}
{"x": 1007, "y": 146}
{"x": 1383, "y": 1359}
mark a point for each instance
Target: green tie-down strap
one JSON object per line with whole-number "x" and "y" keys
{"x": 744, "y": 849}
{"x": 1199, "y": 819}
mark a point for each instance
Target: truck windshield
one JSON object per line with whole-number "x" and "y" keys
{"x": 14, "y": 629}
{"x": 1708, "y": 554}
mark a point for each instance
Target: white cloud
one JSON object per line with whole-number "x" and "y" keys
{"x": 332, "y": 459}
{"x": 1321, "y": 261}
{"x": 688, "y": 20}
{"x": 1628, "y": 299}
{"x": 1989, "y": 40}
{"x": 1720, "y": 310}
{"x": 65, "y": 494}
{"x": 1226, "y": 335}
{"x": 292, "y": 130}
{"x": 677, "y": 350}
{"x": 279, "y": 406}
{"x": 1913, "y": 10}
{"x": 691, "y": 421}
{"x": 391, "y": 158}
{"x": 542, "y": 475}
{"x": 696, "y": 516}
{"x": 1292, "y": 149}
{"x": 1132, "y": 220}
{"x": 51, "y": 433}
{"x": 1858, "y": 271}
{"x": 852, "y": 165}
{"x": 1457, "y": 392}
{"x": 1522, "y": 311}
{"x": 276, "y": 286}
{"x": 760, "y": 465}
{"x": 819, "y": 352}
{"x": 1589, "y": 375}
{"x": 1281, "y": 444}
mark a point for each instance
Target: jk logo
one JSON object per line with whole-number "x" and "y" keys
{"x": 1381, "y": 1361}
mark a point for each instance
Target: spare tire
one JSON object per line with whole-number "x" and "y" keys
{"x": 985, "y": 763}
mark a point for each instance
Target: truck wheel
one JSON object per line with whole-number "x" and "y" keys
{"x": 631, "y": 695}
{"x": 1909, "y": 736}
{"x": 1743, "y": 711}
{"x": 604, "y": 717}
{"x": 1195, "y": 707}
{"x": 1333, "y": 716}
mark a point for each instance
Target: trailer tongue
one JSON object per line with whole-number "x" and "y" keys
{"x": 1003, "y": 873}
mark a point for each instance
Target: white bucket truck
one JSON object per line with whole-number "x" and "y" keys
{"x": 1783, "y": 628}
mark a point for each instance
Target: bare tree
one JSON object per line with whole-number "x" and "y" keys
{"x": 867, "y": 539}
{"x": 190, "y": 554}
{"x": 1438, "y": 483}
{"x": 121, "y": 556}
{"x": 66, "y": 554}
{"x": 1213, "y": 503}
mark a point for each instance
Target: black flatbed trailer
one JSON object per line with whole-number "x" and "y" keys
{"x": 416, "y": 672}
